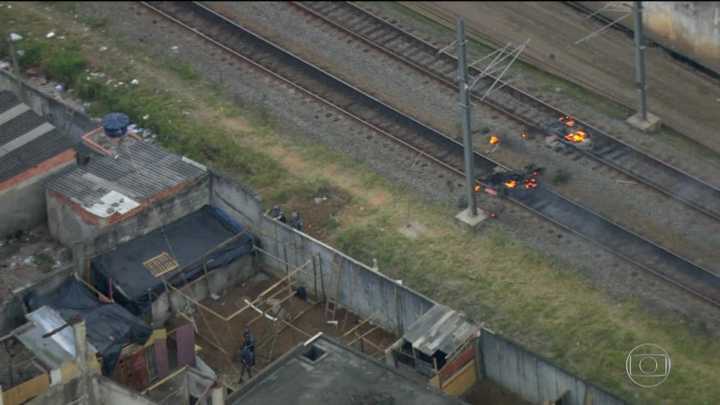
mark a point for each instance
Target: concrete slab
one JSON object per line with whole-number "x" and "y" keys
{"x": 651, "y": 124}
{"x": 471, "y": 222}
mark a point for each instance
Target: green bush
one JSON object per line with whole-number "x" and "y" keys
{"x": 65, "y": 66}
{"x": 33, "y": 53}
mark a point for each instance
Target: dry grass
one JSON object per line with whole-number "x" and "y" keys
{"x": 517, "y": 291}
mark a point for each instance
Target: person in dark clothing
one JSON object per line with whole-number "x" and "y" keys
{"x": 247, "y": 358}
{"x": 296, "y": 222}
{"x": 277, "y": 213}
{"x": 248, "y": 340}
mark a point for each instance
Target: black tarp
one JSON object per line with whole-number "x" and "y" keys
{"x": 110, "y": 327}
{"x": 187, "y": 240}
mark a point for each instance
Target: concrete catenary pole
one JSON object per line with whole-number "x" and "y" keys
{"x": 465, "y": 117}
{"x": 640, "y": 58}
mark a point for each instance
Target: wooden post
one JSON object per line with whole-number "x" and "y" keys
{"x": 437, "y": 373}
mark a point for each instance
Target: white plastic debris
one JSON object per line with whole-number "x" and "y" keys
{"x": 59, "y": 88}
{"x": 4, "y": 65}
{"x": 103, "y": 48}
{"x": 134, "y": 82}
{"x": 15, "y": 37}
{"x": 121, "y": 83}
{"x": 146, "y": 116}
{"x": 50, "y": 34}
{"x": 28, "y": 260}
{"x": 175, "y": 48}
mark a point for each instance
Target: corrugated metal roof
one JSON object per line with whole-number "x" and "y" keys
{"x": 53, "y": 350}
{"x": 26, "y": 139}
{"x": 139, "y": 172}
{"x": 440, "y": 328}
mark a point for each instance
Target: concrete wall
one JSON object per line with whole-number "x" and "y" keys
{"x": 243, "y": 204}
{"x": 106, "y": 392}
{"x": 364, "y": 291}
{"x": 61, "y": 115}
{"x": 69, "y": 228}
{"x": 12, "y": 313}
{"x": 533, "y": 378}
{"x": 690, "y": 28}
{"x": 215, "y": 282}
{"x": 394, "y": 307}
{"x": 23, "y": 205}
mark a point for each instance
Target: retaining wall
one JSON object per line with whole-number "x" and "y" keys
{"x": 364, "y": 291}
{"x": 64, "y": 117}
{"x": 533, "y": 378}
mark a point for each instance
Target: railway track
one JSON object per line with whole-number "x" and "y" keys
{"x": 353, "y": 103}
{"x": 516, "y": 104}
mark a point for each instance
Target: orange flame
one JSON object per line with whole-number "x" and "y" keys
{"x": 577, "y": 136}
{"x": 477, "y": 188}
{"x": 524, "y": 135}
{"x": 494, "y": 140}
{"x": 511, "y": 183}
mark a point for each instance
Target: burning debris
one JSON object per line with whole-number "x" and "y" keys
{"x": 567, "y": 131}
{"x": 501, "y": 182}
{"x": 578, "y": 136}
{"x": 494, "y": 140}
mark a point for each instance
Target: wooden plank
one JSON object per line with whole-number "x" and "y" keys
{"x": 373, "y": 329}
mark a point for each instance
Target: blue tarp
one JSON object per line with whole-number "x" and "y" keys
{"x": 110, "y": 327}
{"x": 187, "y": 240}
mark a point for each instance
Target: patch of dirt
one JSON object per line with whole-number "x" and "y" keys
{"x": 413, "y": 230}
{"x": 216, "y": 333}
{"x": 319, "y": 213}
{"x": 487, "y": 393}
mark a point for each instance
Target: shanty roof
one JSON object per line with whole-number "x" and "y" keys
{"x": 327, "y": 372}
{"x": 175, "y": 253}
{"x": 109, "y": 184}
{"x": 109, "y": 326}
{"x": 54, "y": 350}
{"x": 26, "y": 139}
{"x": 440, "y": 328}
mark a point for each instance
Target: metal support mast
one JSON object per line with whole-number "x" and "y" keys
{"x": 465, "y": 117}
{"x": 640, "y": 58}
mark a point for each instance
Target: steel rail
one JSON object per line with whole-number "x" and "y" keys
{"x": 607, "y": 149}
{"x": 543, "y": 201}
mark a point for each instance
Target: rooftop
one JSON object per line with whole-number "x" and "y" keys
{"x": 27, "y": 257}
{"x": 26, "y": 139}
{"x": 138, "y": 173}
{"x": 172, "y": 252}
{"x": 330, "y": 373}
